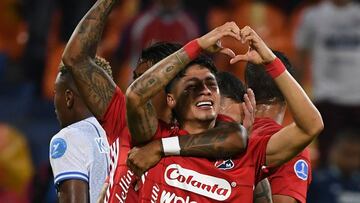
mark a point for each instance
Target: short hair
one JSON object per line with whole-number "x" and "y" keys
{"x": 230, "y": 86}
{"x": 264, "y": 87}
{"x": 158, "y": 51}
{"x": 202, "y": 60}
{"x": 105, "y": 65}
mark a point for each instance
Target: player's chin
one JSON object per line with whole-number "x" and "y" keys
{"x": 206, "y": 116}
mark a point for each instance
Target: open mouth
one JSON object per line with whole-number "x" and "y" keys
{"x": 205, "y": 104}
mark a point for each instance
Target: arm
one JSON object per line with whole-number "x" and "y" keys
{"x": 262, "y": 192}
{"x": 141, "y": 116}
{"x": 73, "y": 191}
{"x": 292, "y": 139}
{"x": 224, "y": 141}
{"x": 95, "y": 85}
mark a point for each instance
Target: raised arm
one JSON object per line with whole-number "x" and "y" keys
{"x": 142, "y": 119}
{"x": 95, "y": 85}
{"x": 307, "y": 124}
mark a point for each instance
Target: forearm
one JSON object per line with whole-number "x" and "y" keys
{"x": 217, "y": 143}
{"x": 158, "y": 76}
{"x": 305, "y": 114}
{"x": 95, "y": 85}
{"x": 84, "y": 40}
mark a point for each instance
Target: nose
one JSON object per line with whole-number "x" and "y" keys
{"x": 205, "y": 90}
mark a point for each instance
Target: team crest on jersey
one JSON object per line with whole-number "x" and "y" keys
{"x": 301, "y": 169}
{"x": 102, "y": 147}
{"x": 58, "y": 148}
{"x": 225, "y": 165}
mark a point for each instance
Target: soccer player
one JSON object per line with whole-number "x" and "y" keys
{"x": 106, "y": 101}
{"x": 290, "y": 182}
{"x": 194, "y": 97}
{"x": 79, "y": 152}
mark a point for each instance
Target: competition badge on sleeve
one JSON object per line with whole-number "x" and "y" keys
{"x": 301, "y": 169}
{"x": 58, "y": 148}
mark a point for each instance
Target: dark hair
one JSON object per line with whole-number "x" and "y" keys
{"x": 202, "y": 60}
{"x": 230, "y": 86}
{"x": 158, "y": 51}
{"x": 264, "y": 87}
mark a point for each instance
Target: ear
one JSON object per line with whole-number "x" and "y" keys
{"x": 69, "y": 98}
{"x": 171, "y": 102}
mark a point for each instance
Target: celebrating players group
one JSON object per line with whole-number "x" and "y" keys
{"x": 183, "y": 132}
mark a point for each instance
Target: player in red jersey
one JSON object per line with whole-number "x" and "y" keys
{"x": 107, "y": 102}
{"x": 290, "y": 182}
{"x": 194, "y": 97}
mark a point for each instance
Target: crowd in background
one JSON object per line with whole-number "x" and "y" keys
{"x": 322, "y": 38}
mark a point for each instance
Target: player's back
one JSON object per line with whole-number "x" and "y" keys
{"x": 80, "y": 151}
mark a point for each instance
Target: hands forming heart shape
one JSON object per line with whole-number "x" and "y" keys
{"x": 258, "y": 52}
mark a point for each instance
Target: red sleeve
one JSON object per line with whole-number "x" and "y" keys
{"x": 293, "y": 178}
{"x": 257, "y": 147}
{"x": 114, "y": 120}
{"x": 164, "y": 130}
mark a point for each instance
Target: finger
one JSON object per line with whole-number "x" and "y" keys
{"x": 252, "y": 98}
{"x": 228, "y": 33}
{"x": 237, "y": 58}
{"x": 248, "y": 104}
{"x": 245, "y": 31}
{"x": 228, "y": 52}
{"x": 246, "y": 111}
{"x": 250, "y": 39}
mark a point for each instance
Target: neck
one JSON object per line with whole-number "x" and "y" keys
{"x": 275, "y": 111}
{"x": 194, "y": 127}
{"x": 165, "y": 115}
{"x": 81, "y": 114}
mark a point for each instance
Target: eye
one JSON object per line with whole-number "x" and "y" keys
{"x": 190, "y": 87}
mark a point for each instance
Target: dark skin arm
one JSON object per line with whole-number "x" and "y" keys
{"x": 95, "y": 85}
{"x": 262, "y": 192}
{"x": 221, "y": 142}
{"x": 224, "y": 141}
{"x": 73, "y": 191}
{"x": 141, "y": 116}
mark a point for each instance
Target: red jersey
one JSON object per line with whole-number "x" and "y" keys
{"x": 190, "y": 180}
{"x": 121, "y": 179}
{"x": 292, "y": 178}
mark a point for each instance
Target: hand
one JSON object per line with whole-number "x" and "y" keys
{"x": 141, "y": 159}
{"x": 249, "y": 107}
{"x": 258, "y": 53}
{"x": 211, "y": 41}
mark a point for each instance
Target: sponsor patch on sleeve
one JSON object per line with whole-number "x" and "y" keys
{"x": 58, "y": 148}
{"x": 301, "y": 169}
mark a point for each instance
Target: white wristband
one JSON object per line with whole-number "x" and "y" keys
{"x": 171, "y": 146}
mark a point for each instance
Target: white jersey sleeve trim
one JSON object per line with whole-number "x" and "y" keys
{"x": 69, "y": 176}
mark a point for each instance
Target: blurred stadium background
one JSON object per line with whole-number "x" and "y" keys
{"x": 33, "y": 34}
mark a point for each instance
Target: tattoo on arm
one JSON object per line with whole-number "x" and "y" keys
{"x": 142, "y": 124}
{"x": 158, "y": 76}
{"x": 142, "y": 119}
{"x": 94, "y": 84}
{"x": 221, "y": 142}
{"x": 262, "y": 192}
